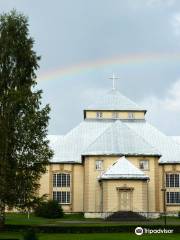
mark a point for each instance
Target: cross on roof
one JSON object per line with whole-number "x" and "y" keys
{"x": 114, "y": 78}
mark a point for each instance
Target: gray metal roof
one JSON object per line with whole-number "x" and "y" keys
{"x": 79, "y": 138}
{"x": 114, "y": 100}
{"x": 168, "y": 148}
{"x": 114, "y": 137}
{"x": 176, "y": 139}
{"x": 123, "y": 169}
{"x": 55, "y": 142}
{"x": 119, "y": 139}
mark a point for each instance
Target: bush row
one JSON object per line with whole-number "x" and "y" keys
{"x": 86, "y": 229}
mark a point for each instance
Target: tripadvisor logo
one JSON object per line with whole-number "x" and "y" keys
{"x": 140, "y": 231}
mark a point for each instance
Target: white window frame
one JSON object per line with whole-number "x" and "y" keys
{"x": 115, "y": 115}
{"x": 141, "y": 162}
{"x": 99, "y": 114}
{"x": 62, "y": 197}
{"x": 99, "y": 165}
{"x": 172, "y": 180}
{"x": 61, "y": 180}
{"x": 173, "y": 198}
{"x": 131, "y": 115}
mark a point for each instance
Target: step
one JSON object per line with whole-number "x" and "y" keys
{"x": 125, "y": 216}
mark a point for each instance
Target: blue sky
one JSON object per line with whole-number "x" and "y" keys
{"x": 69, "y": 33}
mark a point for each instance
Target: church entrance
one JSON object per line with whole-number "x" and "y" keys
{"x": 125, "y": 200}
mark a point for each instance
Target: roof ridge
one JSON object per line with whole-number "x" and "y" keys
{"x": 114, "y": 100}
{"x": 164, "y": 135}
{"x": 122, "y": 95}
{"x": 170, "y": 151}
{"x": 140, "y": 136}
{"x": 99, "y": 136}
{"x": 73, "y": 129}
{"x": 119, "y": 122}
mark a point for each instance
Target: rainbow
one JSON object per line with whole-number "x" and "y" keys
{"x": 115, "y": 61}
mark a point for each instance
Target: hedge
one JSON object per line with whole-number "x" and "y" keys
{"x": 87, "y": 229}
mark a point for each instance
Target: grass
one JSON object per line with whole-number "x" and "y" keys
{"x": 22, "y": 219}
{"x": 94, "y": 236}
{"x": 79, "y": 220}
{"x": 76, "y": 219}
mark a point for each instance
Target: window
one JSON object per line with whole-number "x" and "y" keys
{"x": 61, "y": 180}
{"x": 99, "y": 114}
{"x": 173, "y": 180}
{"x": 62, "y": 197}
{"x": 99, "y": 164}
{"x": 115, "y": 115}
{"x": 130, "y": 115}
{"x": 144, "y": 164}
{"x": 173, "y": 197}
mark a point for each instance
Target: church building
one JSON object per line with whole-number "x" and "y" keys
{"x": 114, "y": 160}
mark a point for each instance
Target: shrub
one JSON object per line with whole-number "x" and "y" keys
{"x": 178, "y": 214}
{"x": 30, "y": 235}
{"x": 49, "y": 209}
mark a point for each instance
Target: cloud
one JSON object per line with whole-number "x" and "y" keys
{"x": 161, "y": 2}
{"x": 90, "y": 95}
{"x": 164, "y": 113}
{"x": 140, "y": 4}
{"x": 176, "y": 23}
{"x": 170, "y": 102}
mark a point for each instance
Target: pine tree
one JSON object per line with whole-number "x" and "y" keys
{"x": 24, "y": 150}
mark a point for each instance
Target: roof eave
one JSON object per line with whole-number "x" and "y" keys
{"x": 65, "y": 162}
{"x": 120, "y": 154}
{"x": 123, "y": 178}
{"x": 168, "y": 163}
{"x": 116, "y": 110}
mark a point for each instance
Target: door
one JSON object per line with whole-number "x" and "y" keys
{"x": 125, "y": 200}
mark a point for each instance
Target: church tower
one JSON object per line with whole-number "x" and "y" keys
{"x": 113, "y": 105}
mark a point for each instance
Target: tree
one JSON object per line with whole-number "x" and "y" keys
{"x": 24, "y": 150}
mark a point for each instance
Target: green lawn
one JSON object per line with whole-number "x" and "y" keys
{"x": 95, "y": 236}
{"x": 76, "y": 219}
{"x": 20, "y": 218}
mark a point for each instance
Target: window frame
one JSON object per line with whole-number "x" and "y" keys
{"x": 131, "y": 115}
{"x": 99, "y": 114}
{"x": 144, "y": 160}
{"x": 115, "y": 115}
{"x": 173, "y": 198}
{"x": 99, "y": 160}
{"x": 61, "y": 179}
{"x": 62, "y": 197}
{"x": 172, "y": 180}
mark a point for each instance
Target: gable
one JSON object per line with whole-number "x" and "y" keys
{"x": 123, "y": 169}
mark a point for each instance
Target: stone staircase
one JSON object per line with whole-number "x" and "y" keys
{"x": 125, "y": 216}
